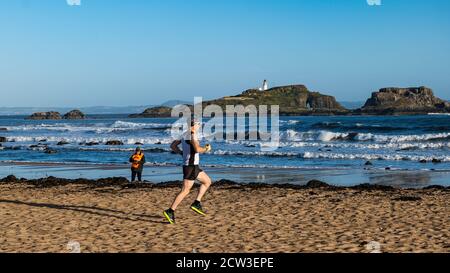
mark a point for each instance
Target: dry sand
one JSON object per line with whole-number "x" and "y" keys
{"x": 113, "y": 217}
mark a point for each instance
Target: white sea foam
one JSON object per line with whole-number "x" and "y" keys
{"x": 392, "y": 157}
{"x": 327, "y": 136}
{"x": 255, "y": 153}
{"x": 332, "y": 155}
{"x": 439, "y": 114}
{"x": 94, "y": 127}
{"x": 76, "y": 140}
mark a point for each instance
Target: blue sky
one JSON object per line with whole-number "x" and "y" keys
{"x": 137, "y": 52}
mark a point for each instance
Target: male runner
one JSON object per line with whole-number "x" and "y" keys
{"x": 191, "y": 151}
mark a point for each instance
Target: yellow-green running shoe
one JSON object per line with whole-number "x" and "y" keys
{"x": 170, "y": 216}
{"x": 197, "y": 207}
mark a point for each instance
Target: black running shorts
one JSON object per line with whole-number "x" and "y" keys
{"x": 191, "y": 172}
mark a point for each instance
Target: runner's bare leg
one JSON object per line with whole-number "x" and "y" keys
{"x": 205, "y": 184}
{"x": 187, "y": 186}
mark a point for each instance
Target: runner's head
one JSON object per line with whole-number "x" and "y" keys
{"x": 195, "y": 124}
{"x": 138, "y": 149}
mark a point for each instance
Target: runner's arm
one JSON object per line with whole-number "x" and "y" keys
{"x": 196, "y": 144}
{"x": 175, "y": 148}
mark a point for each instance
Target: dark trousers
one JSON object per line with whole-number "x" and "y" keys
{"x": 134, "y": 173}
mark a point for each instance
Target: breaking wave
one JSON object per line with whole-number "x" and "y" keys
{"x": 327, "y": 136}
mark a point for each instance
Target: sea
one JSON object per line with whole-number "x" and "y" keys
{"x": 390, "y": 145}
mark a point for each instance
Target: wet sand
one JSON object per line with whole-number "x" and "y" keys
{"x": 111, "y": 215}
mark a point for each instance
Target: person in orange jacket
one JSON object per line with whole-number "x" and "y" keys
{"x": 137, "y": 161}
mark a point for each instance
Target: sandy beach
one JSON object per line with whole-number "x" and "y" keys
{"x": 111, "y": 215}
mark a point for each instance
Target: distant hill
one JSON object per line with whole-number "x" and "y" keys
{"x": 94, "y": 110}
{"x": 91, "y": 110}
{"x": 172, "y": 103}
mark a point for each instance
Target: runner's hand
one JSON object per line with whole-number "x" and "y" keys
{"x": 208, "y": 148}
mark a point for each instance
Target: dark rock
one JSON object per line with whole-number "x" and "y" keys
{"x": 13, "y": 148}
{"x": 225, "y": 182}
{"x": 138, "y": 143}
{"x": 413, "y": 100}
{"x": 92, "y": 143}
{"x": 387, "y": 168}
{"x": 42, "y": 140}
{"x": 423, "y": 161}
{"x": 9, "y": 178}
{"x": 367, "y": 186}
{"x": 61, "y": 143}
{"x": 112, "y": 180}
{"x": 36, "y": 146}
{"x": 50, "y": 151}
{"x": 156, "y": 150}
{"x": 74, "y": 114}
{"x": 3, "y": 129}
{"x": 408, "y": 198}
{"x": 3, "y": 139}
{"x": 368, "y": 163}
{"x": 434, "y": 187}
{"x": 436, "y": 161}
{"x": 114, "y": 142}
{"x": 45, "y": 115}
{"x": 158, "y": 143}
{"x": 317, "y": 184}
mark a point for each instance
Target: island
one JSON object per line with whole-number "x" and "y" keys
{"x": 297, "y": 100}
{"x": 404, "y": 101}
{"x": 292, "y": 99}
{"x": 52, "y": 115}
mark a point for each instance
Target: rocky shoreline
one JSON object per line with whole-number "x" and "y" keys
{"x": 122, "y": 182}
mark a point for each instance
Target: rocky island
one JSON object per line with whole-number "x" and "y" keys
{"x": 45, "y": 115}
{"x": 406, "y": 101}
{"x": 292, "y": 99}
{"x": 154, "y": 112}
{"x": 52, "y": 115}
{"x": 297, "y": 100}
{"x": 74, "y": 114}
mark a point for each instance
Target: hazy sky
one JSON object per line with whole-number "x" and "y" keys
{"x": 136, "y": 52}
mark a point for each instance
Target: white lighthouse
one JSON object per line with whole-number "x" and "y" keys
{"x": 265, "y": 86}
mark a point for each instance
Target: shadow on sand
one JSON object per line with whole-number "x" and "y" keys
{"x": 92, "y": 210}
